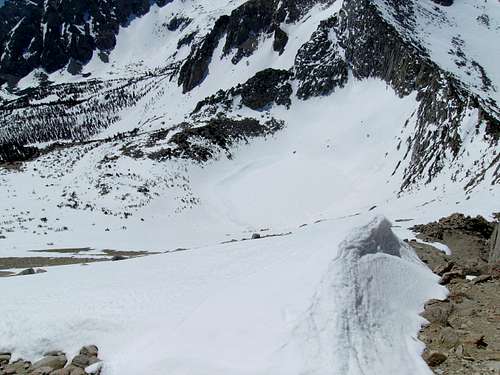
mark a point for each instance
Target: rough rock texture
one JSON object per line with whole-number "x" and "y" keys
{"x": 267, "y": 87}
{"x": 495, "y": 246}
{"x": 375, "y": 48}
{"x": 74, "y": 29}
{"x": 462, "y": 336}
{"x": 476, "y": 226}
{"x": 242, "y": 29}
{"x": 54, "y": 363}
{"x": 204, "y": 142}
{"x": 360, "y": 40}
{"x": 319, "y": 64}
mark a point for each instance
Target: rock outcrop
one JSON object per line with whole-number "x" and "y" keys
{"x": 55, "y": 362}
{"x": 461, "y": 335}
{"x": 51, "y": 34}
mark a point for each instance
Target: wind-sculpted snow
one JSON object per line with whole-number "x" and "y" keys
{"x": 362, "y": 312}
{"x": 292, "y": 304}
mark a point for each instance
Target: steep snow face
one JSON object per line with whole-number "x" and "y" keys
{"x": 302, "y": 303}
{"x": 461, "y": 38}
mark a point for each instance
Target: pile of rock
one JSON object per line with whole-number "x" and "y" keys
{"x": 462, "y": 336}
{"x": 86, "y": 362}
{"x": 476, "y": 226}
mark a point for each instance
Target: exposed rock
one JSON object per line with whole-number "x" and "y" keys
{"x": 481, "y": 279}
{"x": 29, "y": 271}
{"x": 456, "y": 222}
{"x": 81, "y": 361}
{"x": 55, "y": 362}
{"x": 4, "y": 358}
{"x": 195, "y": 68}
{"x": 280, "y": 40}
{"x": 462, "y": 327}
{"x": 267, "y": 87}
{"x": 319, "y": 64}
{"x": 204, "y": 142}
{"x": 50, "y": 34}
{"x": 435, "y": 358}
{"x": 89, "y": 351}
{"x": 437, "y": 312}
{"x": 448, "y": 338}
{"x": 494, "y": 256}
{"x": 19, "y": 367}
{"x": 446, "y": 3}
{"x": 242, "y": 29}
{"x": 448, "y": 276}
{"x": 443, "y": 268}
{"x": 42, "y": 371}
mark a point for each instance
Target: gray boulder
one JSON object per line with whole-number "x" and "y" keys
{"x": 55, "y": 362}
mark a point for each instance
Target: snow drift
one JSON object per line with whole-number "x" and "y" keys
{"x": 304, "y": 303}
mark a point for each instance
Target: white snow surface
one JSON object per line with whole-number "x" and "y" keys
{"x": 316, "y": 299}
{"x": 302, "y": 303}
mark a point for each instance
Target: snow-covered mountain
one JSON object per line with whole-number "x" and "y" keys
{"x": 145, "y": 125}
{"x": 401, "y": 95}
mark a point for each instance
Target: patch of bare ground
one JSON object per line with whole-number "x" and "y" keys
{"x": 32, "y": 265}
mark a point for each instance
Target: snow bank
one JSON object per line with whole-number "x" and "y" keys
{"x": 302, "y": 303}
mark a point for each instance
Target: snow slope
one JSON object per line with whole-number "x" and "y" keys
{"x": 303, "y": 303}
{"x": 329, "y": 161}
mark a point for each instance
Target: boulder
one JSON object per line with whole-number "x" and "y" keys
{"x": 42, "y": 371}
{"x": 89, "y": 351}
{"x": 81, "y": 361}
{"x": 18, "y": 367}
{"x": 448, "y": 276}
{"x": 4, "y": 358}
{"x": 448, "y": 338}
{"x": 28, "y": 271}
{"x": 55, "y": 362}
{"x": 437, "y": 311}
{"x": 435, "y": 358}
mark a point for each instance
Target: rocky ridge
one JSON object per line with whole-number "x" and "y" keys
{"x": 363, "y": 39}
{"x": 462, "y": 335}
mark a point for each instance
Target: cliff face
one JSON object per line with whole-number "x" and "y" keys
{"x": 353, "y": 40}
{"x": 52, "y": 34}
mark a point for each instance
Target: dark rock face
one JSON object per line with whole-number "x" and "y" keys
{"x": 267, "y": 87}
{"x": 477, "y": 226}
{"x": 242, "y": 29}
{"x": 14, "y": 152}
{"x": 218, "y": 134}
{"x": 280, "y": 40}
{"x": 37, "y": 36}
{"x": 195, "y": 68}
{"x": 446, "y": 3}
{"x": 319, "y": 66}
{"x": 374, "y": 48}
{"x": 245, "y": 25}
